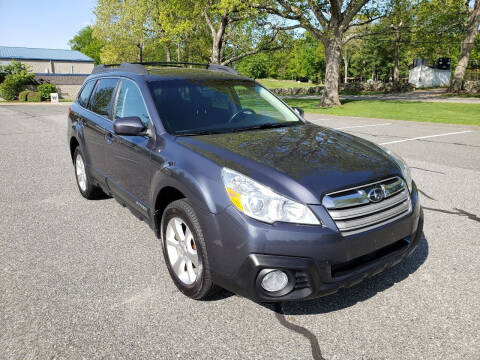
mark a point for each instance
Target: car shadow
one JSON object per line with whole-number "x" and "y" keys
{"x": 368, "y": 288}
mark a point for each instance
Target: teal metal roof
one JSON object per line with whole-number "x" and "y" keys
{"x": 24, "y": 53}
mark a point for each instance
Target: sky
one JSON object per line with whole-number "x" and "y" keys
{"x": 43, "y": 24}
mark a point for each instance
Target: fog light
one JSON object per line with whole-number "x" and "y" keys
{"x": 274, "y": 281}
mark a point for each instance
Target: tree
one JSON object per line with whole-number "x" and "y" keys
{"x": 231, "y": 24}
{"x": 439, "y": 25}
{"x": 399, "y": 19}
{"x": 124, "y": 26}
{"x": 466, "y": 48}
{"x": 87, "y": 44}
{"x": 17, "y": 75}
{"x": 327, "y": 21}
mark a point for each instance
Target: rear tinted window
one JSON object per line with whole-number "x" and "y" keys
{"x": 102, "y": 97}
{"x": 85, "y": 94}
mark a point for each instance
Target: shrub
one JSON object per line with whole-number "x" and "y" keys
{"x": 34, "y": 96}
{"x": 23, "y": 95}
{"x": 45, "y": 89}
{"x": 13, "y": 83}
{"x": 10, "y": 87}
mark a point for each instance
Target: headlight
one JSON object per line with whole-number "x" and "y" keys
{"x": 262, "y": 203}
{"x": 403, "y": 167}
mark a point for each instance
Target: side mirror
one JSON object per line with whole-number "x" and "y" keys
{"x": 299, "y": 111}
{"x": 131, "y": 126}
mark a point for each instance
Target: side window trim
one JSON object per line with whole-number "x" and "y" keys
{"x": 90, "y": 97}
{"x": 113, "y": 102}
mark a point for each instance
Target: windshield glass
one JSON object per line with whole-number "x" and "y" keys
{"x": 189, "y": 107}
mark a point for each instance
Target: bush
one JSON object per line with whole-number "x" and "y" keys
{"x": 23, "y": 95}
{"x": 34, "y": 96}
{"x": 10, "y": 87}
{"x": 13, "y": 83}
{"x": 45, "y": 89}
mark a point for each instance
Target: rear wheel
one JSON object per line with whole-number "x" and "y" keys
{"x": 185, "y": 251}
{"x": 85, "y": 185}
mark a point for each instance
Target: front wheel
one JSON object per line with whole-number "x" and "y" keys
{"x": 85, "y": 186}
{"x": 185, "y": 252}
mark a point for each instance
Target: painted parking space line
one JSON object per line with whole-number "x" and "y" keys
{"x": 426, "y": 137}
{"x": 361, "y": 126}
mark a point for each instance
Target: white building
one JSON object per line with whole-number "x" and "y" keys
{"x": 425, "y": 76}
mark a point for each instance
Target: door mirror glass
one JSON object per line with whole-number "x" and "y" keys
{"x": 130, "y": 126}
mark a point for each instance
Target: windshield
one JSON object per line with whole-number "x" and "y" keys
{"x": 191, "y": 107}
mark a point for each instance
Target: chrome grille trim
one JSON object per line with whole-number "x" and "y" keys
{"x": 369, "y": 209}
{"x": 351, "y": 224}
{"x": 353, "y": 212}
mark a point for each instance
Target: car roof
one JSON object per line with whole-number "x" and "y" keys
{"x": 169, "y": 71}
{"x": 174, "y": 73}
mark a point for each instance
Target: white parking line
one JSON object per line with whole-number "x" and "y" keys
{"x": 361, "y": 126}
{"x": 425, "y": 137}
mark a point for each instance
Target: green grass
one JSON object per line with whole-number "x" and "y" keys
{"x": 449, "y": 113}
{"x": 274, "y": 84}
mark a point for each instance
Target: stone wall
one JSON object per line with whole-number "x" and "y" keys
{"x": 376, "y": 86}
{"x": 472, "y": 87}
{"x": 312, "y": 90}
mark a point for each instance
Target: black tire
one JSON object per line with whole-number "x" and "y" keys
{"x": 203, "y": 287}
{"x": 89, "y": 191}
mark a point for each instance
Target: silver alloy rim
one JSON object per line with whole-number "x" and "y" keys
{"x": 81, "y": 174}
{"x": 182, "y": 251}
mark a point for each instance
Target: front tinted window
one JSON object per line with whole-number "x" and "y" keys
{"x": 192, "y": 106}
{"x": 85, "y": 94}
{"x": 130, "y": 102}
{"x": 102, "y": 97}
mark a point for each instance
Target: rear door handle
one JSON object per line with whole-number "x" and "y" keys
{"x": 109, "y": 138}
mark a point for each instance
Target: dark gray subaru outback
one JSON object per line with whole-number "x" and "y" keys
{"x": 242, "y": 191}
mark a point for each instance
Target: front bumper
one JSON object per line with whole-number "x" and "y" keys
{"x": 317, "y": 260}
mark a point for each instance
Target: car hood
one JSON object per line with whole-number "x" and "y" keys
{"x": 307, "y": 160}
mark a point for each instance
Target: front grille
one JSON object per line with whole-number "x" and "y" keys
{"x": 355, "y": 211}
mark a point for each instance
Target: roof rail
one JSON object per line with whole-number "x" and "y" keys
{"x": 130, "y": 67}
{"x": 139, "y": 67}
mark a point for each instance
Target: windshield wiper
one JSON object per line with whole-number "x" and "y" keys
{"x": 266, "y": 126}
{"x": 202, "y": 132}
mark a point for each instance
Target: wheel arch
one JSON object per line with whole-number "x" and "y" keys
{"x": 164, "y": 197}
{"x": 74, "y": 143}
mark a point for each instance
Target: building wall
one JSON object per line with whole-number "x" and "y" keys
{"x": 424, "y": 76}
{"x": 68, "y": 91}
{"x": 58, "y": 67}
{"x": 67, "y": 85}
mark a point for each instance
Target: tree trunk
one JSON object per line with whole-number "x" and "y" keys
{"x": 466, "y": 49}
{"x": 140, "y": 52}
{"x": 168, "y": 54}
{"x": 345, "y": 66}
{"x": 396, "y": 55}
{"x": 216, "y": 50}
{"x": 178, "y": 51}
{"x": 333, "y": 49}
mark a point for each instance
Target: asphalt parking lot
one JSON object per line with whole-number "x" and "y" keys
{"x": 85, "y": 279}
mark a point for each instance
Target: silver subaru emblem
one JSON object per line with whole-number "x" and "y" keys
{"x": 376, "y": 194}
